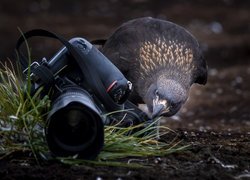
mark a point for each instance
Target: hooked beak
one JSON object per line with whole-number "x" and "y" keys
{"x": 157, "y": 110}
{"x": 159, "y": 107}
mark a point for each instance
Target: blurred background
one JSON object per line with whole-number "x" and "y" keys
{"x": 222, "y": 27}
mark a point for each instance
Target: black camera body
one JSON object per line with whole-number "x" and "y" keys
{"x": 83, "y": 86}
{"x": 80, "y": 97}
{"x": 79, "y": 108}
{"x": 64, "y": 67}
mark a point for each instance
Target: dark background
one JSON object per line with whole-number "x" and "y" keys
{"x": 222, "y": 27}
{"x": 215, "y": 23}
{"x": 216, "y": 118}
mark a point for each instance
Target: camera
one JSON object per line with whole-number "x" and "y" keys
{"x": 83, "y": 86}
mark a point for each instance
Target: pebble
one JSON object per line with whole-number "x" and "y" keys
{"x": 208, "y": 127}
{"x": 193, "y": 134}
{"x": 25, "y": 164}
{"x": 190, "y": 124}
{"x": 216, "y": 27}
{"x": 197, "y": 121}
{"x": 234, "y": 108}
{"x": 213, "y": 72}
{"x": 213, "y": 133}
{"x": 157, "y": 160}
{"x": 237, "y": 81}
{"x": 185, "y": 133}
{"x": 202, "y": 129}
{"x": 176, "y": 118}
{"x": 219, "y": 91}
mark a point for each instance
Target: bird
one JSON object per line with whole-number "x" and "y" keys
{"x": 161, "y": 59}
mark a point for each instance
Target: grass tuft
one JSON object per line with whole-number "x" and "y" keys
{"x": 22, "y": 123}
{"x": 21, "y": 120}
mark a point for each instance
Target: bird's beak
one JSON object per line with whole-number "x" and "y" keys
{"x": 157, "y": 110}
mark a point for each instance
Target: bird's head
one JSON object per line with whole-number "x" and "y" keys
{"x": 161, "y": 59}
{"x": 165, "y": 97}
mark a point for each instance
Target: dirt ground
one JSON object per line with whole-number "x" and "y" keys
{"x": 216, "y": 119}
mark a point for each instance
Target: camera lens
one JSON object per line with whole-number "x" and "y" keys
{"x": 74, "y": 126}
{"x": 74, "y": 118}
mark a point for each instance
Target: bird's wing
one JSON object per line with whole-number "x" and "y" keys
{"x": 145, "y": 47}
{"x": 121, "y": 47}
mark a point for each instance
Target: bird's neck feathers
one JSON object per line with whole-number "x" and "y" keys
{"x": 164, "y": 75}
{"x": 162, "y": 53}
{"x": 162, "y": 57}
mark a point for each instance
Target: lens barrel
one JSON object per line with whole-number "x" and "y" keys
{"x": 74, "y": 125}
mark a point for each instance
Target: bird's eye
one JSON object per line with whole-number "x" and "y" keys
{"x": 156, "y": 92}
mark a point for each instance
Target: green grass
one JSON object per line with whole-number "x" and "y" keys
{"x": 21, "y": 120}
{"x": 22, "y": 128}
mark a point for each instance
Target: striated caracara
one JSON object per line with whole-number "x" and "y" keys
{"x": 161, "y": 59}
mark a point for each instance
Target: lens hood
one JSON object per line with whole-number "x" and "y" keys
{"x": 75, "y": 125}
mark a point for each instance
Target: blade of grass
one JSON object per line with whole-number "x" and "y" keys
{"x": 20, "y": 118}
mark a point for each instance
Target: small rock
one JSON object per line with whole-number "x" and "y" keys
{"x": 216, "y": 27}
{"x": 193, "y": 134}
{"x": 157, "y": 160}
{"x": 213, "y": 72}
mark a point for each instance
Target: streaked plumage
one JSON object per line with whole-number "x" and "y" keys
{"x": 160, "y": 58}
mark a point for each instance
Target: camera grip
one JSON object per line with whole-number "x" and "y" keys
{"x": 116, "y": 85}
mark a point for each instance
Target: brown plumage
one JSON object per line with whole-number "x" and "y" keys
{"x": 161, "y": 59}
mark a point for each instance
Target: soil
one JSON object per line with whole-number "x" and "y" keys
{"x": 216, "y": 119}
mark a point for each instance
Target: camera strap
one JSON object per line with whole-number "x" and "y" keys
{"x": 47, "y": 76}
{"x": 94, "y": 81}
